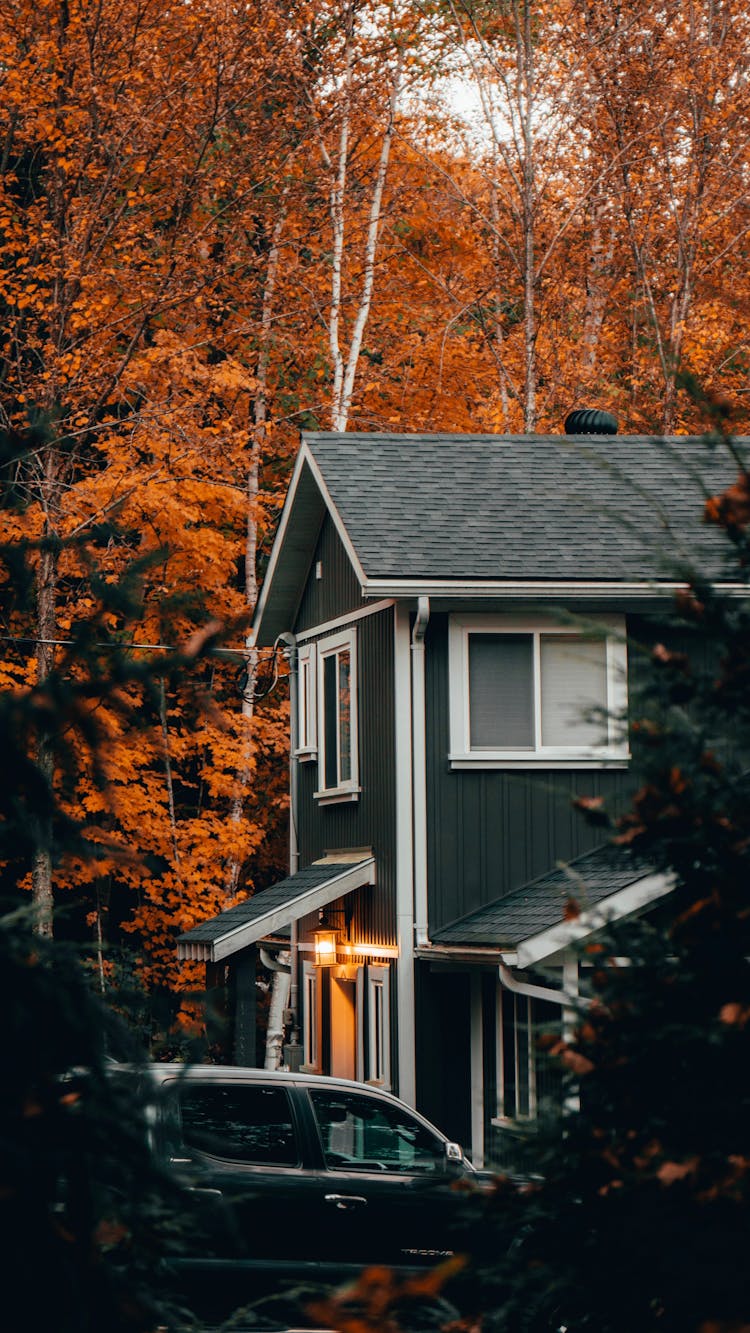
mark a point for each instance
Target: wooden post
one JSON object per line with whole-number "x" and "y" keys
{"x": 215, "y": 1010}
{"x": 242, "y": 970}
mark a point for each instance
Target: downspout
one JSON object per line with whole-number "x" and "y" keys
{"x": 567, "y": 998}
{"x": 293, "y": 1050}
{"x": 572, "y": 1003}
{"x": 275, "y": 1052}
{"x": 405, "y": 988}
{"x": 419, "y": 761}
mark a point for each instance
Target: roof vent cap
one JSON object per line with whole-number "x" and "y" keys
{"x": 590, "y": 421}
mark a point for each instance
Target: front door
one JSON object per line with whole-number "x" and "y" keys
{"x": 343, "y": 1027}
{"x": 345, "y": 1057}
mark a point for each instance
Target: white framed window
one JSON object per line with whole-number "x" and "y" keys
{"x": 311, "y": 1017}
{"x": 307, "y": 713}
{"x": 526, "y": 690}
{"x": 378, "y": 1026}
{"x": 527, "y": 1080}
{"x": 337, "y": 717}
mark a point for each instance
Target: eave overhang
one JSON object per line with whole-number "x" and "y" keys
{"x": 309, "y": 890}
{"x": 541, "y": 948}
{"x": 307, "y": 502}
{"x": 522, "y": 590}
{"x": 534, "y": 925}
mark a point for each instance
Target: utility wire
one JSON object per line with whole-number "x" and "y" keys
{"x": 131, "y": 647}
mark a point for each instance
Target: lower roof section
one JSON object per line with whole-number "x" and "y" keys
{"x": 272, "y": 909}
{"x": 566, "y": 904}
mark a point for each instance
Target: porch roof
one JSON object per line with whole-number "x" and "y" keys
{"x": 532, "y": 922}
{"x": 271, "y": 909}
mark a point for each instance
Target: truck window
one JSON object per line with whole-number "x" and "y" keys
{"x": 240, "y": 1123}
{"x": 366, "y": 1134}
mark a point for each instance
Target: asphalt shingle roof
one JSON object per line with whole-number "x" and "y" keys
{"x": 539, "y": 905}
{"x": 286, "y": 892}
{"x": 525, "y": 507}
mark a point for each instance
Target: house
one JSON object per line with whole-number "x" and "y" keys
{"x": 455, "y": 611}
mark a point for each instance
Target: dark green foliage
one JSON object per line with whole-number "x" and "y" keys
{"x": 85, "y": 1214}
{"x": 639, "y": 1220}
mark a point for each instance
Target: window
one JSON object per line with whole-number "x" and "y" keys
{"x": 337, "y": 716}
{"x": 310, "y": 1017}
{"x": 241, "y": 1124}
{"x": 307, "y": 729}
{"x": 528, "y": 691}
{"x": 363, "y": 1134}
{"x": 378, "y": 1026}
{"x": 527, "y": 1080}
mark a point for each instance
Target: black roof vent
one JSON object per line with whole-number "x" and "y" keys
{"x": 590, "y": 421}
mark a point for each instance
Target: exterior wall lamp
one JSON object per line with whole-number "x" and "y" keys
{"x": 326, "y": 943}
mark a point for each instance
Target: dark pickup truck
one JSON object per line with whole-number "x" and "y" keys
{"x": 294, "y": 1177}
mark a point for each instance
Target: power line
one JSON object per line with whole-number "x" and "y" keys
{"x": 243, "y": 653}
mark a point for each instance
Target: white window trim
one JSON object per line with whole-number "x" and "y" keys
{"x": 307, "y": 707}
{"x": 615, "y": 751}
{"x": 507, "y": 1114}
{"x": 378, "y": 984}
{"x": 311, "y": 1018}
{"x": 350, "y": 789}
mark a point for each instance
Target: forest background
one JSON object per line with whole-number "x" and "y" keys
{"x": 220, "y": 224}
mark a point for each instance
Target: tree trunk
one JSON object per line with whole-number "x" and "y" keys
{"x": 525, "y": 49}
{"x": 260, "y": 420}
{"x": 46, "y": 624}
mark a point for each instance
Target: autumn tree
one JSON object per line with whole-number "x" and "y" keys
{"x": 609, "y": 151}
{"x": 667, "y": 110}
{"x": 221, "y": 224}
{"x": 126, "y": 356}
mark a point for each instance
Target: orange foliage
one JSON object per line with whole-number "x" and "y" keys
{"x": 167, "y": 226}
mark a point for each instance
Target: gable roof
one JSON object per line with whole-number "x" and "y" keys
{"x": 606, "y": 884}
{"x": 493, "y": 510}
{"x": 271, "y": 909}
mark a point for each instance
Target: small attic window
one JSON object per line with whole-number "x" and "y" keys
{"x": 529, "y": 691}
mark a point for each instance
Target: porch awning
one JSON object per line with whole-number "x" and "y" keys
{"x": 531, "y": 923}
{"x": 308, "y": 890}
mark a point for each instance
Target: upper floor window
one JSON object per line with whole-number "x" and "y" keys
{"x": 337, "y": 715}
{"x": 307, "y": 721}
{"x": 529, "y": 690}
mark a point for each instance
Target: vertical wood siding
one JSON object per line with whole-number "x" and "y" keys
{"x": 491, "y": 831}
{"x": 337, "y": 591}
{"x": 370, "y": 821}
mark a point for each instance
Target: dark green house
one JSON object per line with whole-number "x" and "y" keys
{"x": 456, "y": 611}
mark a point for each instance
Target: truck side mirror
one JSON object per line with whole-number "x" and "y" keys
{"x": 454, "y": 1156}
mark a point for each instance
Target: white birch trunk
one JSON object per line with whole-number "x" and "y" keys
{"x": 260, "y": 420}
{"x": 343, "y": 400}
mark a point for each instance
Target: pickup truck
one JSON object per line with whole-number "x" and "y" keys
{"x": 294, "y": 1177}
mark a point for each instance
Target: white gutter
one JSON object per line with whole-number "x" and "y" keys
{"x": 293, "y": 659}
{"x": 419, "y": 768}
{"x": 534, "y": 589}
{"x": 512, "y": 982}
{"x": 272, "y": 961}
